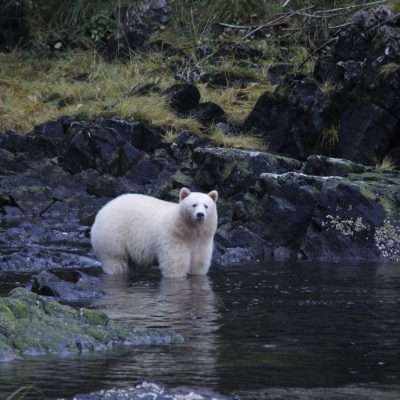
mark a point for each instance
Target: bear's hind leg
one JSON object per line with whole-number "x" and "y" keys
{"x": 114, "y": 266}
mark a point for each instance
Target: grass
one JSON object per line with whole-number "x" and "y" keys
{"x": 82, "y": 85}
{"x": 330, "y": 137}
{"x": 389, "y": 69}
{"x": 241, "y": 141}
{"x": 387, "y": 164}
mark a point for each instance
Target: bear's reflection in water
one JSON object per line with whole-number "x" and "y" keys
{"x": 188, "y": 306}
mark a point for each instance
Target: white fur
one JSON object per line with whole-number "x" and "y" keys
{"x": 148, "y": 230}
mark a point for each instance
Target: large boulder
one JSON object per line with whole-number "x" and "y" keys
{"x": 292, "y": 118}
{"x": 234, "y": 170}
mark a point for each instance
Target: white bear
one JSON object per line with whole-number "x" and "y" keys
{"x": 146, "y": 230}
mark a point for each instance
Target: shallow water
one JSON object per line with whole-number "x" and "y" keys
{"x": 260, "y": 331}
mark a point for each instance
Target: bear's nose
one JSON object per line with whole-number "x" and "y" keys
{"x": 200, "y": 215}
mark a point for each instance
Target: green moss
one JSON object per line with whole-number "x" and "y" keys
{"x": 182, "y": 179}
{"x": 20, "y": 310}
{"x": 94, "y": 317}
{"x": 32, "y": 324}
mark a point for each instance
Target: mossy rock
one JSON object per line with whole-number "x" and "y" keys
{"x": 35, "y": 325}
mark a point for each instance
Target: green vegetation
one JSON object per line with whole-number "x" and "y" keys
{"x": 39, "y": 83}
{"x": 330, "y": 137}
{"x": 387, "y": 164}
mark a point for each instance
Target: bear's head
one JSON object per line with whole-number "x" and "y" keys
{"x": 198, "y": 207}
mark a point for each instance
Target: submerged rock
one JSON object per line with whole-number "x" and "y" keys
{"x": 32, "y": 325}
{"x": 153, "y": 391}
{"x": 79, "y": 288}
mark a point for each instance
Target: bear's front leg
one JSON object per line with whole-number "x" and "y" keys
{"x": 112, "y": 266}
{"x": 174, "y": 262}
{"x": 201, "y": 259}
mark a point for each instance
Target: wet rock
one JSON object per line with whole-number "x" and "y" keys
{"x": 208, "y": 113}
{"x": 234, "y": 170}
{"x": 328, "y": 166}
{"x": 183, "y": 97}
{"x": 331, "y": 218}
{"x": 155, "y": 392}
{"x": 239, "y": 245}
{"x": 33, "y": 325}
{"x": 81, "y": 288}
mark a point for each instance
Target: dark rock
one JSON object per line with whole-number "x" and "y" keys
{"x": 239, "y": 245}
{"x": 208, "y": 113}
{"x": 278, "y": 72}
{"x": 82, "y": 289}
{"x": 327, "y": 166}
{"x": 104, "y": 186}
{"x": 233, "y": 170}
{"x": 238, "y": 51}
{"x": 184, "y": 145}
{"x": 225, "y": 79}
{"x": 153, "y": 391}
{"x": 366, "y": 133}
{"x": 292, "y": 119}
{"x": 136, "y": 23}
{"x": 35, "y": 325}
{"x": 14, "y": 25}
{"x": 110, "y": 146}
{"x": 183, "y": 97}
{"x": 330, "y": 218}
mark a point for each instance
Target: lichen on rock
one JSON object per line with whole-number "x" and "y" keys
{"x": 387, "y": 239}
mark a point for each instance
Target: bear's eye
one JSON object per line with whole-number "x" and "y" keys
{"x": 205, "y": 206}
{"x": 194, "y": 205}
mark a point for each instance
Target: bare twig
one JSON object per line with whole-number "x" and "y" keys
{"x": 366, "y": 5}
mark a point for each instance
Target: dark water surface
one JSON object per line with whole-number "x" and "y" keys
{"x": 265, "y": 332}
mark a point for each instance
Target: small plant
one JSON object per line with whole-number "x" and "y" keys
{"x": 330, "y": 136}
{"x": 387, "y": 164}
{"x": 389, "y": 69}
{"x": 394, "y": 5}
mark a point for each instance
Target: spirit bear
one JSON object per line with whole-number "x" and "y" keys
{"x": 146, "y": 230}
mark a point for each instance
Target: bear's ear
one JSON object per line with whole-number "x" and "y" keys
{"x": 214, "y": 195}
{"x": 183, "y": 193}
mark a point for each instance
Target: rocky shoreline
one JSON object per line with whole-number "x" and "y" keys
{"x": 296, "y": 201}
{"x": 55, "y": 179}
